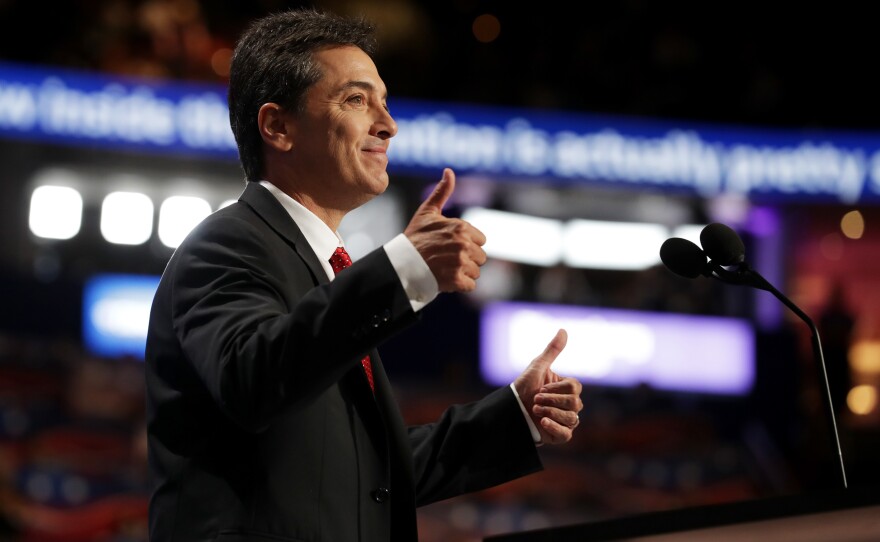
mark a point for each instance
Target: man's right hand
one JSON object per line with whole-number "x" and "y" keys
{"x": 451, "y": 247}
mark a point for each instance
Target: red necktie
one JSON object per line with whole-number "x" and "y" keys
{"x": 339, "y": 261}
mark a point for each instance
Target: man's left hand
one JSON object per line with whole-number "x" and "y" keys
{"x": 552, "y": 401}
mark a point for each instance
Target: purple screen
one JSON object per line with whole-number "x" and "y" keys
{"x": 612, "y": 347}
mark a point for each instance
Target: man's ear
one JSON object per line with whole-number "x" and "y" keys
{"x": 276, "y": 126}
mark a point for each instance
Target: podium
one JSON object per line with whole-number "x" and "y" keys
{"x": 851, "y": 515}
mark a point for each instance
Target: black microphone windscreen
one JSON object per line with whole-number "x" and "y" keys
{"x": 683, "y": 257}
{"x": 722, "y": 244}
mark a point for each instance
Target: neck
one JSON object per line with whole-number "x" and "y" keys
{"x": 331, "y": 217}
{"x": 309, "y": 197}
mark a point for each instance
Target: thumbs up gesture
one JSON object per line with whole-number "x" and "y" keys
{"x": 553, "y": 402}
{"x": 451, "y": 247}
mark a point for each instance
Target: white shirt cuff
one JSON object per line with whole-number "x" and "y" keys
{"x": 415, "y": 276}
{"x": 536, "y": 436}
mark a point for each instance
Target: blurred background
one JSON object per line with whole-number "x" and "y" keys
{"x": 605, "y": 128}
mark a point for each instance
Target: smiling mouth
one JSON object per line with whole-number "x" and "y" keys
{"x": 377, "y": 153}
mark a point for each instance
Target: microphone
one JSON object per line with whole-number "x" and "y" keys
{"x": 723, "y": 258}
{"x": 684, "y": 258}
{"x": 722, "y": 244}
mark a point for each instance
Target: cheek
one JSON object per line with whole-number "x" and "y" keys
{"x": 341, "y": 144}
{"x": 335, "y": 153}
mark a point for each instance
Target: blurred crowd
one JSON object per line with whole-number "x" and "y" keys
{"x": 72, "y": 443}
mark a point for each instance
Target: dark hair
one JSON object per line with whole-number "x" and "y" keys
{"x": 273, "y": 62}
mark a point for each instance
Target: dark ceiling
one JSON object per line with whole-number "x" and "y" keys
{"x": 760, "y": 63}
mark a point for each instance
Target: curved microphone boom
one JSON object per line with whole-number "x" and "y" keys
{"x": 723, "y": 257}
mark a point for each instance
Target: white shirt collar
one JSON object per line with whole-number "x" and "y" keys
{"x": 318, "y": 235}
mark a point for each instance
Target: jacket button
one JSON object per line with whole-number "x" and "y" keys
{"x": 381, "y": 495}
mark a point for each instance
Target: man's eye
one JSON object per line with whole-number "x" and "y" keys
{"x": 357, "y": 100}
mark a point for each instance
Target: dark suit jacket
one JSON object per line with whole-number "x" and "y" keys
{"x": 261, "y": 423}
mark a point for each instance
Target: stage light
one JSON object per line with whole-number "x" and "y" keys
{"x": 691, "y": 232}
{"x": 865, "y": 356}
{"x": 612, "y": 245}
{"x": 486, "y": 28}
{"x": 178, "y": 215}
{"x": 220, "y": 61}
{"x": 862, "y": 399}
{"x": 579, "y": 243}
{"x": 518, "y": 238}
{"x": 853, "y": 225}
{"x": 56, "y": 212}
{"x": 126, "y": 218}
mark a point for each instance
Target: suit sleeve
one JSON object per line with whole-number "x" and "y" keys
{"x": 472, "y": 447}
{"x": 257, "y": 330}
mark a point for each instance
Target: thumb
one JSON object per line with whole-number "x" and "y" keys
{"x": 549, "y": 355}
{"x": 441, "y": 193}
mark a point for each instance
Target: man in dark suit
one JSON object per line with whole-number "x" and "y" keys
{"x": 269, "y": 414}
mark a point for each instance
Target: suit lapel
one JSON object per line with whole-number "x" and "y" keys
{"x": 275, "y": 215}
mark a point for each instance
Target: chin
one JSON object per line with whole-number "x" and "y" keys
{"x": 380, "y": 183}
{"x": 371, "y": 187}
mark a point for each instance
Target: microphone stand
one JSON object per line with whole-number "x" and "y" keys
{"x": 745, "y": 276}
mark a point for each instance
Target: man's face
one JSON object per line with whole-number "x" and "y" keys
{"x": 342, "y": 137}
